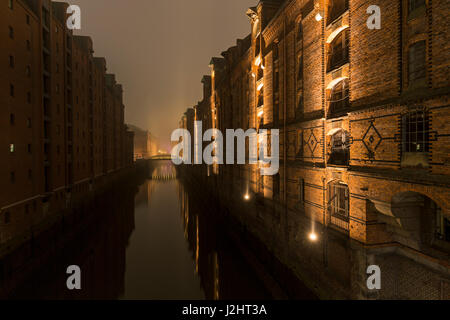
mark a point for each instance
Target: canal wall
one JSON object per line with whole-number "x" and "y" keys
{"x": 334, "y": 266}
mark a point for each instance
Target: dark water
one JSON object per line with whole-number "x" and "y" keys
{"x": 147, "y": 242}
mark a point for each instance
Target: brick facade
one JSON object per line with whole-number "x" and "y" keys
{"x": 364, "y": 143}
{"x": 54, "y": 116}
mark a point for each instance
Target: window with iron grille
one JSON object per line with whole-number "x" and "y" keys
{"x": 415, "y": 131}
{"x": 336, "y": 8}
{"x": 338, "y": 54}
{"x": 338, "y": 203}
{"x": 340, "y": 148}
{"x": 339, "y": 99}
{"x": 417, "y": 61}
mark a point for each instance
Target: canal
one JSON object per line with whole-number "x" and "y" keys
{"x": 147, "y": 240}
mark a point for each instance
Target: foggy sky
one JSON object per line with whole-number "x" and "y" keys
{"x": 160, "y": 49}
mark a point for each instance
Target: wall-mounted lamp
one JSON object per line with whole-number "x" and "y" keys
{"x": 246, "y": 197}
{"x": 258, "y": 61}
{"x": 319, "y": 16}
{"x": 312, "y": 236}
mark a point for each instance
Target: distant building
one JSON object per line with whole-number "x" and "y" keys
{"x": 146, "y": 145}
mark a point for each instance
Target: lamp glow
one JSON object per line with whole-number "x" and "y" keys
{"x": 318, "y": 17}
{"x": 247, "y": 196}
{"x": 313, "y": 236}
{"x": 260, "y": 86}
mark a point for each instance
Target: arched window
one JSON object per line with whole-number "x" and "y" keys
{"x": 340, "y": 148}
{"x": 339, "y": 99}
{"x": 338, "y": 53}
{"x": 336, "y": 8}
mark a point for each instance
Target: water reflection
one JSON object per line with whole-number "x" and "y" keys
{"x": 224, "y": 273}
{"x": 132, "y": 243}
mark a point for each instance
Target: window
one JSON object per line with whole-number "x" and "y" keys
{"x": 299, "y": 106}
{"x": 29, "y": 97}
{"x": 11, "y": 61}
{"x": 415, "y": 4}
{"x": 30, "y": 177}
{"x": 338, "y": 54}
{"x": 276, "y": 81}
{"x": 29, "y": 148}
{"x": 11, "y": 90}
{"x": 28, "y": 45}
{"x": 28, "y": 71}
{"x": 340, "y": 148}
{"x": 415, "y": 131}
{"x": 338, "y": 200}
{"x": 29, "y": 123}
{"x": 11, "y": 148}
{"x": 442, "y": 227}
{"x": 299, "y": 144}
{"x": 300, "y": 31}
{"x": 300, "y": 68}
{"x": 276, "y": 186}
{"x": 28, "y": 19}
{"x": 10, "y": 4}
{"x": 417, "y": 62}
{"x": 301, "y": 192}
{"x": 12, "y": 119}
{"x": 339, "y": 99}
{"x": 336, "y": 8}
{"x": 12, "y": 176}
{"x": 7, "y": 217}
{"x": 275, "y": 51}
{"x": 11, "y": 32}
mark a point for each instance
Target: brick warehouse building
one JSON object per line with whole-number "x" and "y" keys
{"x": 364, "y": 142}
{"x": 62, "y": 128}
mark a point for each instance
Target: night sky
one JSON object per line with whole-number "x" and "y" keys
{"x": 160, "y": 49}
